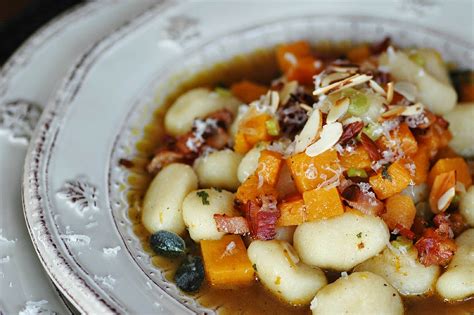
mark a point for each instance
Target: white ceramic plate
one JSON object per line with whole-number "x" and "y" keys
{"x": 74, "y": 201}
{"x": 23, "y": 91}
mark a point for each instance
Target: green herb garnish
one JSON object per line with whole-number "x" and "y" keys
{"x": 357, "y": 172}
{"x": 204, "y": 197}
{"x": 359, "y": 235}
{"x": 359, "y": 104}
{"x": 222, "y": 92}
{"x": 385, "y": 173}
{"x": 254, "y": 266}
{"x": 272, "y": 126}
{"x": 373, "y": 131}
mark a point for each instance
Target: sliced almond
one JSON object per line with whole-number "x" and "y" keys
{"x": 351, "y": 120}
{"x": 358, "y": 80}
{"x": 338, "y": 110}
{"x": 325, "y": 89}
{"x": 310, "y": 131}
{"x": 393, "y": 111}
{"x": 377, "y": 88}
{"x": 342, "y": 69}
{"x": 273, "y": 100}
{"x": 389, "y": 92}
{"x": 413, "y": 110}
{"x": 288, "y": 89}
{"x": 305, "y": 107}
{"x": 407, "y": 89}
{"x": 334, "y": 77}
{"x": 330, "y": 135}
{"x": 443, "y": 191}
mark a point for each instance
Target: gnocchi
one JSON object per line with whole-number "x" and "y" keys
{"x": 458, "y": 281}
{"x": 460, "y": 119}
{"x": 164, "y": 198}
{"x": 218, "y": 169}
{"x": 466, "y": 207}
{"x": 341, "y": 242}
{"x": 359, "y": 293}
{"x": 400, "y": 267}
{"x": 249, "y": 162}
{"x": 280, "y": 270}
{"x": 199, "y": 208}
{"x": 196, "y": 103}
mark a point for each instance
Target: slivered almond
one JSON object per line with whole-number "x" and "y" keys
{"x": 377, "y": 88}
{"x": 413, "y": 110}
{"x": 334, "y": 77}
{"x": 324, "y": 89}
{"x": 310, "y": 131}
{"x": 406, "y": 89}
{"x": 338, "y": 110}
{"x": 330, "y": 135}
{"x": 358, "y": 80}
{"x": 393, "y": 111}
{"x": 351, "y": 120}
{"x": 305, "y": 107}
{"x": 288, "y": 89}
{"x": 389, "y": 92}
{"x": 442, "y": 191}
{"x": 272, "y": 98}
{"x": 350, "y": 69}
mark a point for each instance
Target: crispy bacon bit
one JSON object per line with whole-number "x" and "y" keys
{"x": 364, "y": 201}
{"x": 224, "y": 117}
{"x": 433, "y": 249}
{"x": 262, "y": 216}
{"x": 405, "y": 232}
{"x": 381, "y": 46}
{"x": 232, "y": 225}
{"x": 126, "y": 163}
{"x": 219, "y": 140}
{"x": 443, "y": 123}
{"x": 163, "y": 158}
{"x": 350, "y": 131}
{"x": 371, "y": 147}
{"x": 457, "y": 223}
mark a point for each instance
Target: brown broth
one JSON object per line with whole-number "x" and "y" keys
{"x": 260, "y": 67}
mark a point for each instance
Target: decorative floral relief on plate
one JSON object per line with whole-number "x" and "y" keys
{"x": 80, "y": 194}
{"x": 19, "y": 118}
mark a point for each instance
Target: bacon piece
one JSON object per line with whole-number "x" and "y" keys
{"x": 219, "y": 140}
{"x": 163, "y": 158}
{"x": 262, "y": 216}
{"x": 433, "y": 249}
{"x": 350, "y": 131}
{"x": 224, "y": 117}
{"x": 232, "y": 225}
{"x": 380, "y": 47}
{"x": 405, "y": 232}
{"x": 364, "y": 202}
{"x": 371, "y": 147}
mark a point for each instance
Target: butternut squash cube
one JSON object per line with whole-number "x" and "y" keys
{"x": 322, "y": 203}
{"x": 389, "y": 182}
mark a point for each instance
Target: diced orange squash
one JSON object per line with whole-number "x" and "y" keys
{"x": 322, "y": 203}
{"x": 446, "y": 152}
{"x": 253, "y": 188}
{"x": 422, "y": 164}
{"x": 304, "y": 70}
{"x": 308, "y": 172}
{"x": 449, "y": 164}
{"x": 288, "y": 53}
{"x": 251, "y": 131}
{"x": 292, "y": 211}
{"x": 396, "y": 179}
{"x": 248, "y": 91}
{"x": 359, "y": 158}
{"x": 359, "y": 53}
{"x": 400, "y": 209}
{"x": 403, "y": 138}
{"x": 226, "y": 262}
{"x": 269, "y": 166}
{"x": 443, "y": 186}
{"x": 435, "y": 138}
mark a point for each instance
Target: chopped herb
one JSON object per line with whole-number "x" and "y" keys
{"x": 373, "y": 130}
{"x": 357, "y": 172}
{"x": 254, "y": 266}
{"x": 217, "y": 189}
{"x": 272, "y": 127}
{"x": 385, "y": 173}
{"x": 204, "y": 197}
{"x": 222, "y": 92}
{"x": 359, "y": 235}
{"x": 418, "y": 59}
{"x": 359, "y": 104}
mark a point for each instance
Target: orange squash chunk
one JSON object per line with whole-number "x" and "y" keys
{"x": 322, "y": 203}
{"x": 357, "y": 159}
{"x": 269, "y": 166}
{"x": 304, "y": 70}
{"x": 287, "y": 52}
{"x": 396, "y": 180}
{"x": 253, "y": 188}
{"x": 251, "y": 131}
{"x": 226, "y": 262}
{"x": 248, "y": 91}
{"x": 240, "y": 144}
{"x": 451, "y": 164}
{"x": 422, "y": 164}
{"x": 400, "y": 209}
{"x": 292, "y": 211}
{"x": 403, "y": 137}
{"x": 308, "y": 172}
{"x": 359, "y": 53}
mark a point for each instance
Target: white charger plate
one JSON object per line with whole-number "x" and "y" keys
{"x": 27, "y": 81}
{"x": 75, "y": 207}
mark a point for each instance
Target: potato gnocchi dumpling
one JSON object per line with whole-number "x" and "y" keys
{"x": 196, "y": 103}
{"x": 341, "y": 242}
{"x": 400, "y": 267}
{"x": 359, "y": 293}
{"x": 457, "y": 282}
{"x": 199, "y": 208}
{"x": 218, "y": 169}
{"x": 162, "y": 205}
{"x": 280, "y": 270}
{"x": 460, "y": 120}
{"x": 249, "y": 162}
{"x": 466, "y": 207}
